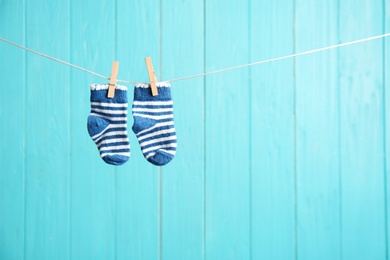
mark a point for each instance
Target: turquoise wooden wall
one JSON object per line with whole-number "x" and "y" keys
{"x": 285, "y": 160}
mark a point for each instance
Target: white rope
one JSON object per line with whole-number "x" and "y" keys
{"x": 61, "y": 61}
{"x": 52, "y": 58}
{"x": 210, "y": 72}
{"x": 282, "y": 57}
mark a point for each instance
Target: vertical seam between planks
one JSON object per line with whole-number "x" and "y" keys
{"x": 70, "y": 133}
{"x": 250, "y": 128}
{"x": 24, "y": 122}
{"x": 160, "y": 212}
{"x": 384, "y": 129}
{"x": 339, "y": 136}
{"x": 295, "y": 135}
{"x": 204, "y": 136}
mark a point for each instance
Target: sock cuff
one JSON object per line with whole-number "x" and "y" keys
{"x": 142, "y": 92}
{"x": 99, "y": 94}
{"x": 159, "y": 85}
{"x": 95, "y": 86}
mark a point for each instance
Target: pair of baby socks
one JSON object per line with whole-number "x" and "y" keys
{"x": 153, "y": 123}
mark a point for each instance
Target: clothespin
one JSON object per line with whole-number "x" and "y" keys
{"x": 114, "y": 74}
{"x": 152, "y": 76}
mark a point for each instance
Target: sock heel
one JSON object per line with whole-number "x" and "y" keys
{"x": 96, "y": 125}
{"x": 141, "y": 123}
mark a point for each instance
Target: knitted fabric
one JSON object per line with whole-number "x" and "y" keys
{"x": 153, "y": 123}
{"x": 107, "y": 124}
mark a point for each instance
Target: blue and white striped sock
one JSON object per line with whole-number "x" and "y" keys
{"x": 153, "y": 123}
{"x": 107, "y": 124}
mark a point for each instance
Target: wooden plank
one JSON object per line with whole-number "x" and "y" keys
{"x": 47, "y": 220}
{"x": 12, "y": 132}
{"x": 183, "y": 178}
{"x": 92, "y": 180}
{"x": 137, "y": 182}
{"x": 317, "y": 132}
{"x": 361, "y": 129}
{"x": 272, "y": 129}
{"x": 227, "y": 124}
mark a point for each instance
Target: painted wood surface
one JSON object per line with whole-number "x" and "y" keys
{"x": 227, "y": 144}
{"x": 317, "y": 132}
{"x": 47, "y": 148}
{"x": 363, "y": 209}
{"x": 285, "y": 160}
{"x": 182, "y": 193}
{"x": 12, "y": 134}
{"x": 272, "y": 132}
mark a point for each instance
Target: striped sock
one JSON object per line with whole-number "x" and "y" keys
{"x": 107, "y": 124}
{"x": 153, "y": 123}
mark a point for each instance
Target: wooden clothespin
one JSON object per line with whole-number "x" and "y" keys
{"x": 152, "y": 76}
{"x": 114, "y": 74}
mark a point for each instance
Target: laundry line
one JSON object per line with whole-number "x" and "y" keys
{"x": 210, "y": 72}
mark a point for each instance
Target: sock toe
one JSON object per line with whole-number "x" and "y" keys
{"x": 116, "y": 159}
{"x": 161, "y": 158}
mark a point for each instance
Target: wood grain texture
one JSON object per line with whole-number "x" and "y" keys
{"x": 47, "y": 132}
{"x": 227, "y": 140}
{"x": 92, "y": 181}
{"x": 317, "y": 132}
{"x": 272, "y": 131}
{"x": 183, "y": 178}
{"x": 12, "y": 133}
{"x": 137, "y": 182}
{"x": 361, "y": 129}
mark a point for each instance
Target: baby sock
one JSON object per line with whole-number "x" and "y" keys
{"x": 107, "y": 123}
{"x": 153, "y": 123}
